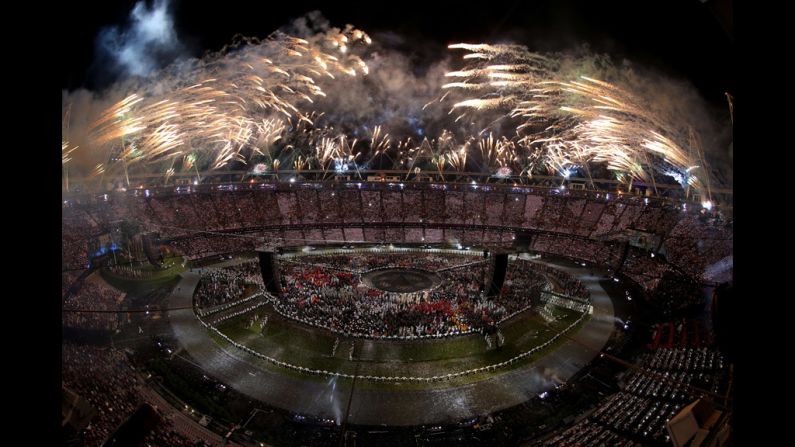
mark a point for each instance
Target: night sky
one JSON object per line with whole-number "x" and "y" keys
{"x": 685, "y": 39}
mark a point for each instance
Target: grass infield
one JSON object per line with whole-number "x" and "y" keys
{"x": 310, "y": 347}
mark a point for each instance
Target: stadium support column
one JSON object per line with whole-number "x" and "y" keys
{"x": 500, "y": 267}
{"x": 269, "y": 266}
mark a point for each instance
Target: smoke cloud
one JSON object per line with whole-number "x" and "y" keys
{"x": 149, "y": 40}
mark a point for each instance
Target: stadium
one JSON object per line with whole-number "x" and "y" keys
{"x": 242, "y": 273}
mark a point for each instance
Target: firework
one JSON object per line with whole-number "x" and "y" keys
{"x": 66, "y": 151}
{"x": 252, "y": 104}
{"x": 230, "y": 106}
{"x": 564, "y": 124}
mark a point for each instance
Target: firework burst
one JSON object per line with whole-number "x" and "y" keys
{"x": 563, "y": 124}
{"x": 230, "y": 106}
{"x": 510, "y": 111}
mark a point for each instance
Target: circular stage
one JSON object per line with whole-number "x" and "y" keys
{"x": 401, "y": 280}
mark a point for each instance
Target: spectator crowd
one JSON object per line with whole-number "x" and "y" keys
{"x": 93, "y": 295}
{"x": 106, "y": 380}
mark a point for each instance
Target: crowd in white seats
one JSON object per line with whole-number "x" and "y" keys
{"x": 227, "y": 284}
{"x": 520, "y": 277}
{"x": 667, "y": 385}
{"x": 590, "y": 434}
{"x": 569, "y": 285}
{"x": 219, "y": 317}
{"x": 685, "y": 359}
{"x": 664, "y": 382}
{"x": 643, "y": 417}
{"x": 94, "y": 294}
{"x": 229, "y": 305}
{"x": 557, "y": 301}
